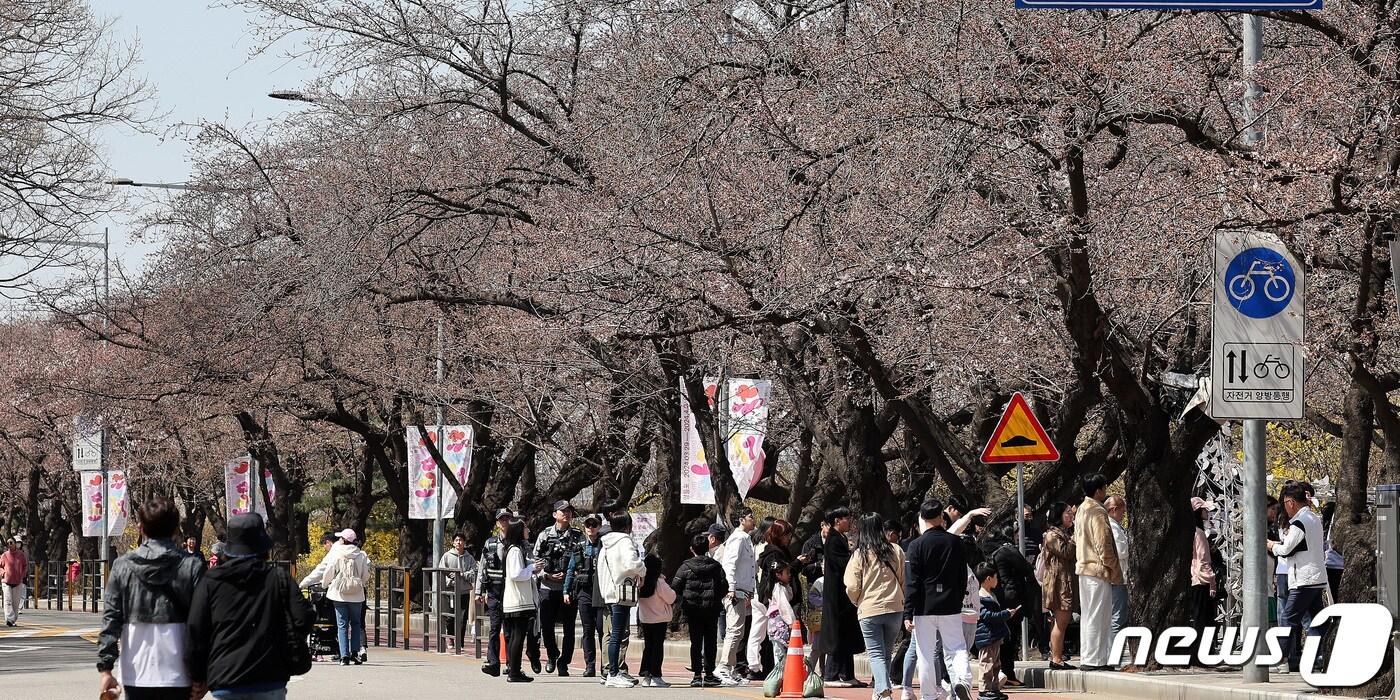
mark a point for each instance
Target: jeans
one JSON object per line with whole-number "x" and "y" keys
{"x": 277, "y": 694}
{"x": 881, "y": 632}
{"x": 349, "y": 627}
{"x": 1301, "y": 602}
{"x": 653, "y": 648}
{"x": 911, "y": 661}
{"x": 132, "y": 692}
{"x": 1280, "y": 596}
{"x": 1120, "y": 612}
{"x": 552, "y": 610}
{"x": 704, "y": 628}
{"x": 620, "y": 619}
{"x": 929, "y": 630}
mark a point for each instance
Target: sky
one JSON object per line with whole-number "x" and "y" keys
{"x": 200, "y": 61}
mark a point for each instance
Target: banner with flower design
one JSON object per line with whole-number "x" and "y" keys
{"x": 93, "y": 507}
{"x": 116, "y": 502}
{"x": 424, "y": 484}
{"x": 696, "y": 486}
{"x": 748, "y": 424}
{"x": 240, "y": 486}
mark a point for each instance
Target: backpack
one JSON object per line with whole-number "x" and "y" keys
{"x": 1040, "y": 569}
{"x": 349, "y": 581}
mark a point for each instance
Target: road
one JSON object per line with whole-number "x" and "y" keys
{"x": 50, "y": 656}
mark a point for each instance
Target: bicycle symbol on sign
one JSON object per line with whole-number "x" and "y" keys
{"x": 1276, "y": 287}
{"x": 1280, "y": 368}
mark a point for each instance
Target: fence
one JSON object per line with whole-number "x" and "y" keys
{"x": 57, "y": 584}
{"x": 393, "y": 610}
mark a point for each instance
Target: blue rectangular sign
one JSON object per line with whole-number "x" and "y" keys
{"x": 1227, "y": 5}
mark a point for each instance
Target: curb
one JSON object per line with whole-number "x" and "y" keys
{"x": 1134, "y": 685}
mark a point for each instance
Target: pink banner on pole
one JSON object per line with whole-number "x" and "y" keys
{"x": 240, "y": 482}
{"x": 696, "y": 486}
{"x": 92, "y": 503}
{"x": 116, "y": 502}
{"x": 748, "y": 424}
{"x": 423, "y": 483}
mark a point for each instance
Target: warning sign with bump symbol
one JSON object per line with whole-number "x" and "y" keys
{"x": 1019, "y": 437}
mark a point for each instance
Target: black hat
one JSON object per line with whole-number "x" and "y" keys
{"x": 718, "y": 530}
{"x": 563, "y": 505}
{"x": 503, "y": 513}
{"x": 246, "y": 536}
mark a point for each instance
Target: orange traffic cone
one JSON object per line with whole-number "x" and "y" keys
{"x": 795, "y": 671}
{"x": 502, "y": 647}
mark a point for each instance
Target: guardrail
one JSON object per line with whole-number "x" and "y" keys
{"x": 439, "y": 594}
{"x": 57, "y": 583}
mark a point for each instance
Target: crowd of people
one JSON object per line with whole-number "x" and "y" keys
{"x": 924, "y": 602}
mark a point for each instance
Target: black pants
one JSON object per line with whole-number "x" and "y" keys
{"x": 592, "y": 619}
{"x": 1334, "y": 583}
{"x": 461, "y": 603}
{"x": 653, "y": 648}
{"x": 518, "y": 628}
{"x": 1011, "y": 647}
{"x": 131, "y": 692}
{"x": 493, "y": 640}
{"x": 1302, "y": 603}
{"x": 1202, "y": 616}
{"x": 840, "y": 666}
{"x": 552, "y": 610}
{"x": 704, "y": 638}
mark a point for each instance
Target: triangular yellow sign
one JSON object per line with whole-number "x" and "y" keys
{"x": 1019, "y": 437}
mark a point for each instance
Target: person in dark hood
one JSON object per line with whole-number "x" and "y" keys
{"x": 239, "y": 618}
{"x": 145, "y": 608}
{"x": 700, "y": 588}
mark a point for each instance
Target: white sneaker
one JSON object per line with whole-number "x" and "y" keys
{"x": 621, "y": 680}
{"x": 725, "y": 676}
{"x": 734, "y": 680}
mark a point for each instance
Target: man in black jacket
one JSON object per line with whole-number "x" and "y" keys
{"x": 243, "y": 613}
{"x": 1016, "y": 588}
{"x": 937, "y": 581}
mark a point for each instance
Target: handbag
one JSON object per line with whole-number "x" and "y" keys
{"x": 298, "y": 650}
{"x": 627, "y": 592}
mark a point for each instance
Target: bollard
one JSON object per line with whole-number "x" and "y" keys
{"x": 795, "y": 672}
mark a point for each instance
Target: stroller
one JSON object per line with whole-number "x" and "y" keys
{"x": 322, "y": 642}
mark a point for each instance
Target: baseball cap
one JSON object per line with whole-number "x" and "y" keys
{"x": 503, "y": 513}
{"x": 563, "y": 505}
{"x": 347, "y": 534}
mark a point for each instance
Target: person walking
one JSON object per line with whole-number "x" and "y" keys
{"x": 874, "y": 581}
{"x": 344, "y": 581}
{"x": 619, "y": 572}
{"x": 519, "y": 602}
{"x": 1203, "y": 588}
{"x": 1118, "y": 510}
{"x": 1096, "y": 563}
{"x": 992, "y": 631}
{"x": 1302, "y": 547}
{"x": 490, "y": 589}
{"x": 145, "y": 611}
{"x": 937, "y": 583}
{"x": 461, "y": 566}
{"x": 1060, "y": 595}
{"x": 741, "y": 569}
{"x": 1335, "y": 564}
{"x": 840, "y": 638}
{"x": 581, "y": 591}
{"x": 14, "y": 567}
{"x": 313, "y": 579}
{"x": 701, "y": 586}
{"x": 240, "y": 619}
{"x": 1016, "y": 589}
{"x": 654, "y": 613}
{"x": 554, "y": 548}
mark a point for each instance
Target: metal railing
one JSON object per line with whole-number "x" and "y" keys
{"x": 436, "y": 632}
{"x": 393, "y": 589}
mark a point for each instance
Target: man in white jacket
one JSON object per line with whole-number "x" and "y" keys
{"x": 1307, "y": 573}
{"x": 741, "y": 569}
{"x": 620, "y": 573}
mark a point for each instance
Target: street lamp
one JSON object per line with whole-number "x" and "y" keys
{"x": 128, "y": 182}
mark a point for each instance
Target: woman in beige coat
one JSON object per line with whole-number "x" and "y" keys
{"x": 874, "y": 581}
{"x": 1060, "y": 597}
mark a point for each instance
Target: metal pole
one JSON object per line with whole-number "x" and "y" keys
{"x": 254, "y": 482}
{"x": 442, "y": 484}
{"x": 1256, "y": 573}
{"x": 1021, "y": 544}
{"x": 104, "y": 542}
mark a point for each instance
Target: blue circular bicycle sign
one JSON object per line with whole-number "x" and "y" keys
{"x": 1259, "y": 282}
